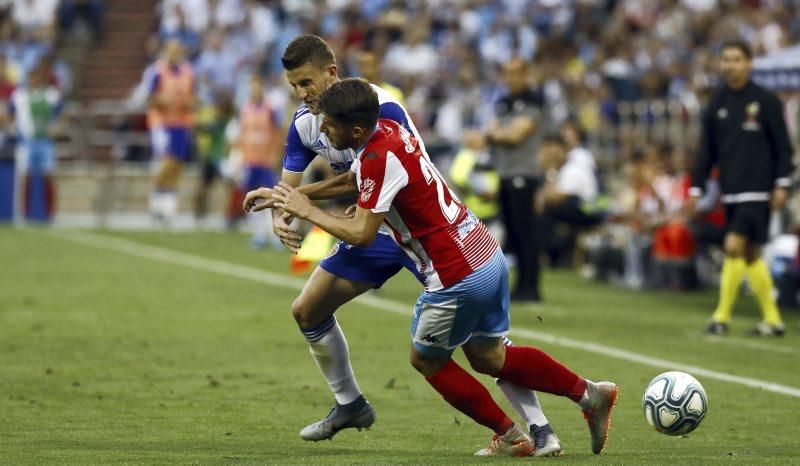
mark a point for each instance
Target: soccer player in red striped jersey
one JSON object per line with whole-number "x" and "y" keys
{"x": 466, "y": 298}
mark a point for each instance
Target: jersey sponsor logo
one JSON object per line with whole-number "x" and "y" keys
{"x": 319, "y": 146}
{"x": 467, "y": 225}
{"x": 367, "y": 186}
{"x": 341, "y": 167}
{"x": 751, "y": 124}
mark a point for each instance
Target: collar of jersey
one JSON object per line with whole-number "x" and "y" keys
{"x": 361, "y": 149}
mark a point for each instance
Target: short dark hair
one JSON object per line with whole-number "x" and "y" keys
{"x": 351, "y": 101}
{"x": 740, "y": 44}
{"x": 307, "y": 49}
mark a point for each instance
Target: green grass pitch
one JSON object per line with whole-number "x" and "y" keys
{"x": 110, "y": 356}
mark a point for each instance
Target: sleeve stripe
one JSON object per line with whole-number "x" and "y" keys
{"x": 395, "y": 178}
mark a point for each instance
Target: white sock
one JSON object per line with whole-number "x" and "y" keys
{"x": 170, "y": 199}
{"x": 524, "y": 401}
{"x": 333, "y": 359}
{"x": 155, "y": 202}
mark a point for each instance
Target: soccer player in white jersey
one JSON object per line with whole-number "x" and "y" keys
{"x": 466, "y": 297}
{"x": 350, "y": 270}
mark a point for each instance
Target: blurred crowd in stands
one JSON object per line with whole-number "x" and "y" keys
{"x": 620, "y": 86}
{"x": 620, "y": 83}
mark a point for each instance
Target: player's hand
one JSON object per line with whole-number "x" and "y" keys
{"x": 289, "y": 237}
{"x": 779, "y": 196}
{"x": 293, "y": 202}
{"x": 258, "y": 200}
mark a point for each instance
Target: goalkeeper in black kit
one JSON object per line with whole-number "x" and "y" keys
{"x": 744, "y": 134}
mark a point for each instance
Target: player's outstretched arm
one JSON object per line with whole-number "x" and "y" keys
{"x": 359, "y": 230}
{"x": 337, "y": 186}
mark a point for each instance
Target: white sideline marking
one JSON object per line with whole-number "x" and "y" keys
{"x": 736, "y": 341}
{"x": 155, "y": 253}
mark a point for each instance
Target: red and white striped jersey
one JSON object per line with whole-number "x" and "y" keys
{"x": 426, "y": 219}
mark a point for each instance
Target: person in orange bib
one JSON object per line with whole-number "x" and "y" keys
{"x": 259, "y": 141}
{"x": 171, "y": 120}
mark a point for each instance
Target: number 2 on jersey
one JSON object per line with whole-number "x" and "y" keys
{"x": 431, "y": 175}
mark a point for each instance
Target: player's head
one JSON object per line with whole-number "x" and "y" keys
{"x": 735, "y": 57}
{"x": 172, "y": 51}
{"x": 310, "y": 68}
{"x": 350, "y": 111}
{"x": 369, "y": 66}
{"x": 515, "y": 72}
{"x": 256, "y": 87}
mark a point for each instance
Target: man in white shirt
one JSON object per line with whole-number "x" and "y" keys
{"x": 570, "y": 193}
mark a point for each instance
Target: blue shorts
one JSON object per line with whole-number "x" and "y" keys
{"x": 258, "y": 177}
{"x": 172, "y": 141}
{"x": 374, "y": 264}
{"x": 40, "y": 156}
{"x": 477, "y": 306}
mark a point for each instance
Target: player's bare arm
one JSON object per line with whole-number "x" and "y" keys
{"x": 337, "y": 186}
{"x": 280, "y": 224}
{"x": 359, "y": 230}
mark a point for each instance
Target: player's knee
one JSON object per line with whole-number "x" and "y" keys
{"x": 301, "y": 313}
{"x": 308, "y": 313}
{"x": 427, "y": 366}
{"x": 488, "y": 365}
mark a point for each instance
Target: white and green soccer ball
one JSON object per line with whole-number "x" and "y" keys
{"x": 674, "y": 403}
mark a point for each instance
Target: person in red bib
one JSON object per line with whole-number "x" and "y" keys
{"x": 171, "y": 120}
{"x": 259, "y": 141}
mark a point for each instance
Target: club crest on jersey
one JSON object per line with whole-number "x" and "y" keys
{"x": 751, "y": 124}
{"x": 367, "y": 186}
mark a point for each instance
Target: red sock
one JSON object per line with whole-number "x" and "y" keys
{"x": 467, "y": 395}
{"x": 534, "y": 369}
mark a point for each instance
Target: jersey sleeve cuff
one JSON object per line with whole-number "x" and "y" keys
{"x": 783, "y": 182}
{"x": 294, "y": 171}
{"x": 694, "y": 191}
{"x": 380, "y": 210}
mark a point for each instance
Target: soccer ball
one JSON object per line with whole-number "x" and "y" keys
{"x": 674, "y": 403}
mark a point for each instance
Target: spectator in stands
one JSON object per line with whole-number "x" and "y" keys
{"x": 170, "y": 118}
{"x": 673, "y": 245}
{"x": 183, "y": 33}
{"x": 259, "y": 141}
{"x": 195, "y": 14}
{"x": 514, "y": 138}
{"x": 413, "y": 58}
{"x": 477, "y": 183}
{"x": 567, "y": 199}
{"x": 216, "y": 66}
{"x": 32, "y": 16}
{"x": 90, "y": 11}
{"x": 36, "y": 108}
{"x": 369, "y": 68}
{"x": 212, "y": 134}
